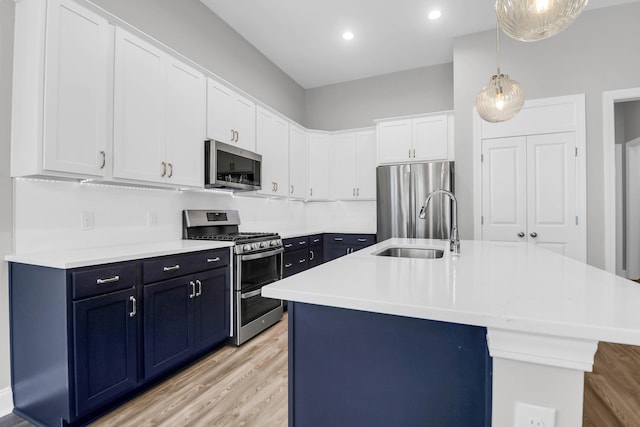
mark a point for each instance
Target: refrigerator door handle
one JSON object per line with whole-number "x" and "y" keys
{"x": 411, "y": 231}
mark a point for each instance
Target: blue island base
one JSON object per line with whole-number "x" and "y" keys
{"x": 356, "y": 368}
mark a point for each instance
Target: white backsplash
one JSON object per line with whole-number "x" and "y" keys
{"x": 48, "y": 214}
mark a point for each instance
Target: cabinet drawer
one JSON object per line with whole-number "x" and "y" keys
{"x": 295, "y": 243}
{"x": 295, "y": 262}
{"x": 103, "y": 279}
{"x": 351, "y": 239}
{"x": 169, "y": 267}
{"x": 315, "y": 239}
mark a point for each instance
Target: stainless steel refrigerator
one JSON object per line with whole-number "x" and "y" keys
{"x": 401, "y": 192}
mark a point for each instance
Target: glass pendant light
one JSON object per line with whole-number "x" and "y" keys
{"x": 502, "y": 98}
{"x": 532, "y": 20}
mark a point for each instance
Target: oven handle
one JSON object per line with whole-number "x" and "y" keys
{"x": 261, "y": 255}
{"x": 251, "y": 294}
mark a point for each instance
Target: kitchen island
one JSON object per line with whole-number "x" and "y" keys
{"x": 357, "y": 324}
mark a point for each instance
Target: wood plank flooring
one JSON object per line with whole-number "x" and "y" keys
{"x": 612, "y": 390}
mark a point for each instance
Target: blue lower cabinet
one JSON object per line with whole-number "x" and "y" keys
{"x": 356, "y": 368}
{"x": 106, "y": 347}
{"x": 341, "y": 244}
{"x": 211, "y": 310}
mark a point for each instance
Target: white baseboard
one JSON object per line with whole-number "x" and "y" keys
{"x": 6, "y": 401}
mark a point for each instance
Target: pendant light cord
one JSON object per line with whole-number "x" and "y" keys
{"x": 497, "y": 47}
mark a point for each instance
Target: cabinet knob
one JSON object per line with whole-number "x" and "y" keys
{"x": 521, "y": 234}
{"x": 534, "y": 234}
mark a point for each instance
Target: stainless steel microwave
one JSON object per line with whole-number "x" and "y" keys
{"x": 230, "y": 167}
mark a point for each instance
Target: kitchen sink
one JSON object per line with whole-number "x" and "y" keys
{"x": 408, "y": 252}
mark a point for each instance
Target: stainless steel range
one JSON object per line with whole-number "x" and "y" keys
{"x": 257, "y": 261}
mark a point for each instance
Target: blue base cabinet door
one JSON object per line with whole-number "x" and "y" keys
{"x": 211, "y": 309}
{"x": 167, "y": 324}
{"x": 105, "y": 346}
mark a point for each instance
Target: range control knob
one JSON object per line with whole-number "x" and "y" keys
{"x": 264, "y": 244}
{"x": 255, "y": 245}
{"x": 246, "y": 248}
{"x": 274, "y": 243}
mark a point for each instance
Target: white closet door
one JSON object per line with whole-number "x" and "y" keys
{"x": 504, "y": 189}
{"x": 633, "y": 209}
{"x": 551, "y": 191}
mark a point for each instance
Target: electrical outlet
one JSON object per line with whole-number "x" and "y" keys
{"x": 152, "y": 219}
{"x": 86, "y": 221}
{"x": 534, "y": 416}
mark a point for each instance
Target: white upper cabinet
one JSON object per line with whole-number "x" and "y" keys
{"x": 416, "y": 139}
{"x": 272, "y": 133}
{"x": 297, "y": 162}
{"x": 231, "y": 118}
{"x": 319, "y": 166}
{"x": 60, "y": 126}
{"x": 354, "y": 165}
{"x": 158, "y": 115}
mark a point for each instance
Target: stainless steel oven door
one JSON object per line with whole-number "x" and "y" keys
{"x": 252, "y": 312}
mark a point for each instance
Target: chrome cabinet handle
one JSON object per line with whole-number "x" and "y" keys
{"x": 164, "y": 169}
{"x": 288, "y": 265}
{"x": 237, "y": 135}
{"x": 172, "y": 268}
{"x": 216, "y": 259}
{"x": 276, "y": 187}
{"x": 534, "y": 234}
{"x": 304, "y": 242}
{"x": 233, "y": 135}
{"x": 292, "y": 189}
{"x": 409, "y": 152}
{"x": 521, "y": 234}
{"x": 193, "y": 290}
{"x": 134, "y": 306}
{"x": 316, "y": 240}
{"x": 251, "y": 294}
{"x": 414, "y": 153}
{"x": 358, "y": 191}
{"x": 362, "y": 240}
{"x": 108, "y": 280}
{"x": 302, "y": 260}
{"x": 311, "y": 255}
{"x": 199, "y": 283}
{"x": 288, "y": 245}
{"x": 170, "y": 169}
{"x": 311, "y": 192}
{"x": 104, "y": 159}
{"x": 354, "y": 192}
{"x": 338, "y": 239}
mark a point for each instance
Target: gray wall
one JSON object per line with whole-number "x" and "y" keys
{"x": 596, "y": 53}
{"x": 190, "y": 28}
{"x": 6, "y": 193}
{"x": 357, "y": 103}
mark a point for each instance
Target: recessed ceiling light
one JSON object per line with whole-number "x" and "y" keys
{"x": 348, "y": 35}
{"x": 435, "y": 14}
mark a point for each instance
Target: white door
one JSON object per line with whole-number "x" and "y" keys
{"x": 366, "y": 179}
{"x": 244, "y": 122}
{"x": 139, "y": 116}
{"x": 430, "y": 138}
{"x": 273, "y": 144}
{"x": 220, "y": 104}
{"x": 320, "y": 156}
{"x": 394, "y": 141}
{"x": 343, "y": 177}
{"x": 297, "y": 162}
{"x": 504, "y": 189}
{"x": 185, "y": 124}
{"x": 529, "y": 190}
{"x": 551, "y": 192}
{"x": 632, "y": 149}
{"x": 76, "y": 90}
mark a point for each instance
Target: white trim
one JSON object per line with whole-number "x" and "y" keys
{"x": 6, "y": 401}
{"x": 577, "y": 125}
{"x": 609, "y": 98}
{"x": 561, "y": 352}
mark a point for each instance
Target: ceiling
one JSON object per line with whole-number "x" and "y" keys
{"x": 304, "y": 37}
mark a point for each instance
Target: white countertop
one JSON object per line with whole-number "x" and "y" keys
{"x": 104, "y": 255}
{"x": 287, "y": 234}
{"x": 511, "y": 286}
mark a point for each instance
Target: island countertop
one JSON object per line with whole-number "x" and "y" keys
{"x": 510, "y": 286}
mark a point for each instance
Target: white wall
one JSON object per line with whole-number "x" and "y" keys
{"x": 6, "y": 196}
{"x": 593, "y": 55}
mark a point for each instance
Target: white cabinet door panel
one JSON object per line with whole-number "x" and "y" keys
{"x": 551, "y": 181}
{"x": 345, "y": 157}
{"x": 394, "y": 141}
{"x": 185, "y": 124}
{"x": 504, "y": 189}
{"x": 320, "y": 156}
{"x": 219, "y": 112}
{"x": 430, "y": 138}
{"x": 273, "y": 144}
{"x": 297, "y": 162}
{"x": 366, "y": 179}
{"x": 245, "y": 123}
{"x": 76, "y": 90}
{"x": 139, "y": 99}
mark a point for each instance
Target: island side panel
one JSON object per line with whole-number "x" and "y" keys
{"x": 349, "y": 367}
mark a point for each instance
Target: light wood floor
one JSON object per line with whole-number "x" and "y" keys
{"x": 612, "y": 390}
{"x": 234, "y": 386}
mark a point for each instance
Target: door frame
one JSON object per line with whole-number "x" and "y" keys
{"x": 538, "y": 116}
{"x": 609, "y": 98}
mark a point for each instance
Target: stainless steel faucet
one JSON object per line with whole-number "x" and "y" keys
{"x": 454, "y": 238}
